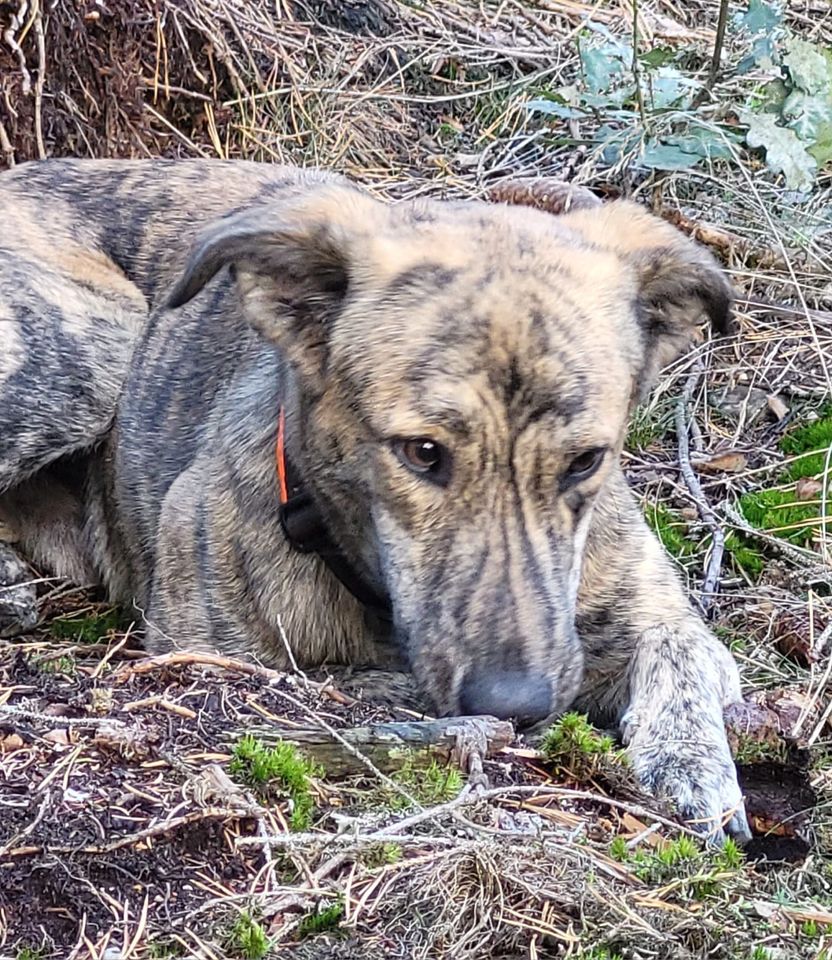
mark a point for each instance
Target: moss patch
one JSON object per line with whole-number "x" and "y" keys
{"x": 283, "y": 766}
{"x": 671, "y": 530}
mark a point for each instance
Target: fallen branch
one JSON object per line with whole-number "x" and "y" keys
{"x": 726, "y": 244}
{"x": 387, "y": 745}
{"x": 182, "y": 659}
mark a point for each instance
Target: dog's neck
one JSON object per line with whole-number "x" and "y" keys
{"x": 307, "y": 532}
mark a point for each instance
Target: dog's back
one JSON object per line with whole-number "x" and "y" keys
{"x": 88, "y": 247}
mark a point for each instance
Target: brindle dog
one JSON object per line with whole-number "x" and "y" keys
{"x": 449, "y": 386}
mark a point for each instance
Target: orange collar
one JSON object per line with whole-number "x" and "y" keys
{"x": 306, "y": 531}
{"x": 280, "y": 458}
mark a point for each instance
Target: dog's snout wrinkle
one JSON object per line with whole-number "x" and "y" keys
{"x": 516, "y": 695}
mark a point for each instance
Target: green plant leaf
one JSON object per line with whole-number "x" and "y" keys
{"x": 669, "y": 87}
{"x": 760, "y": 17}
{"x": 667, "y": 156}
{"x": 785, "y": 152}
{"x": 554, "y": 109}
{"x": 604, "y": 66}
{"x": 821, "y": 149}
{"x": 808, "y": 67}
{"x": 657, "y": 57}
{"x": 616, "y": 143}
{"x": 763, "y": 55}
{"x": 705, "y": 143}
{"x": 806, "y": 113}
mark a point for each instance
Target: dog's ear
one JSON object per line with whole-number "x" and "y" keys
{"x": 294, "y": 261}
{"x": 678, "y": 283}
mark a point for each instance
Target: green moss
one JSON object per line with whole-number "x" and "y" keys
{"x": 29, "y": 953}
{"x": 647, "y": 425}
{"x": 745, "y": 557}
{"x": 321, "y": 921}
{"x": 729, "y": 856}
{"x": 381, "y": 855}
{"x": 572, "y": 742}
{"x": 811, "y": 439}
{"x": 751, "y": 750}
{"x": 427, "y": 782}
{"x": 779, "y": 512}
{"x": 705, "y": 871}
{"x": 58, "y": 666}
{"x": 282, "y": 765}
{"x": 164, "y": 949}
{"x": 247, "y": 938}
{"x": 619, "y": 850}
{"x": 86, "y": 628}
{"x": 670, "y": 529}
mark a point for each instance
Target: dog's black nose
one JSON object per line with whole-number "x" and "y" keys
{"x": 507, "y": 695}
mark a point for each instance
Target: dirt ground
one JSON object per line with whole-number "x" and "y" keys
{"x": 129, "y": 826}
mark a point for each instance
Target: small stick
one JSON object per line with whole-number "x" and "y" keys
{"x": 159, "y": 701}
{"x": 716, "y": 59}
{"x": 181, "y": 659}
{"x": 710, "y": 583}
{"x": 27, "y": 714}
{"x": 155, "y": 830}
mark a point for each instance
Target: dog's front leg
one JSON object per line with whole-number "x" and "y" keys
{"x": 655, "y": 669}
{"x": 680, "y": 679}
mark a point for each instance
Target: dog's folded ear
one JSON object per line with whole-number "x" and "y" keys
{"x": 293, "y": 260}
{"x": 679, "y": 284}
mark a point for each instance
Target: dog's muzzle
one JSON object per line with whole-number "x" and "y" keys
{"x": 526, "y": 698}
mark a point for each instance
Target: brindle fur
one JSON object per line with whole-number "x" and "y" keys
{"x": 516, "y": 338}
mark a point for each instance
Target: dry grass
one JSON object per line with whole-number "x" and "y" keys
{"x": 113, "y": 844}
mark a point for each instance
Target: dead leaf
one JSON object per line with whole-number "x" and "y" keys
{"x": 765, "y": 825}
{"x": 544, "y": 193}
{"x": 807, "y": 488}
{"x": 777, "y": 406}
{"x": 130, "y": 743}
{"x": 61, "y": 737}
{"x": 793, "y": 636}
{"x": 730, "y": 461}
{"x": 11, "y": 743}
{"x": 741, "y": 401}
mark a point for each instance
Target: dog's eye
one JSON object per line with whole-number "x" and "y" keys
{"x": 424, "y": 456}
{"x": 583, "y": 466}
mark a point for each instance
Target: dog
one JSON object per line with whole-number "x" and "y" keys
{"x": 270, "y": 410}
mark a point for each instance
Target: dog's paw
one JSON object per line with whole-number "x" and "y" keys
{"x": 701, "y": 783}
{"x": 18, "y": 597}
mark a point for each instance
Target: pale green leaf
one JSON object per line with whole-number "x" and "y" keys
{"x": 785, "y": 152}
{"x": 669, "y": 87}
{"x": 808, "y": 67}
{"x": 665, "y": 156}
{"x": 821, "y": 149}
{"x": 604, "y": 67}
{"x": 763, "y": 55}
{"x": 760, "y": 17}
{"x": 806, "y": 113}
{"x": 555, "y": 109}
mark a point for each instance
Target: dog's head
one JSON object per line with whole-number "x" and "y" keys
{"x": 462, "y": 376}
